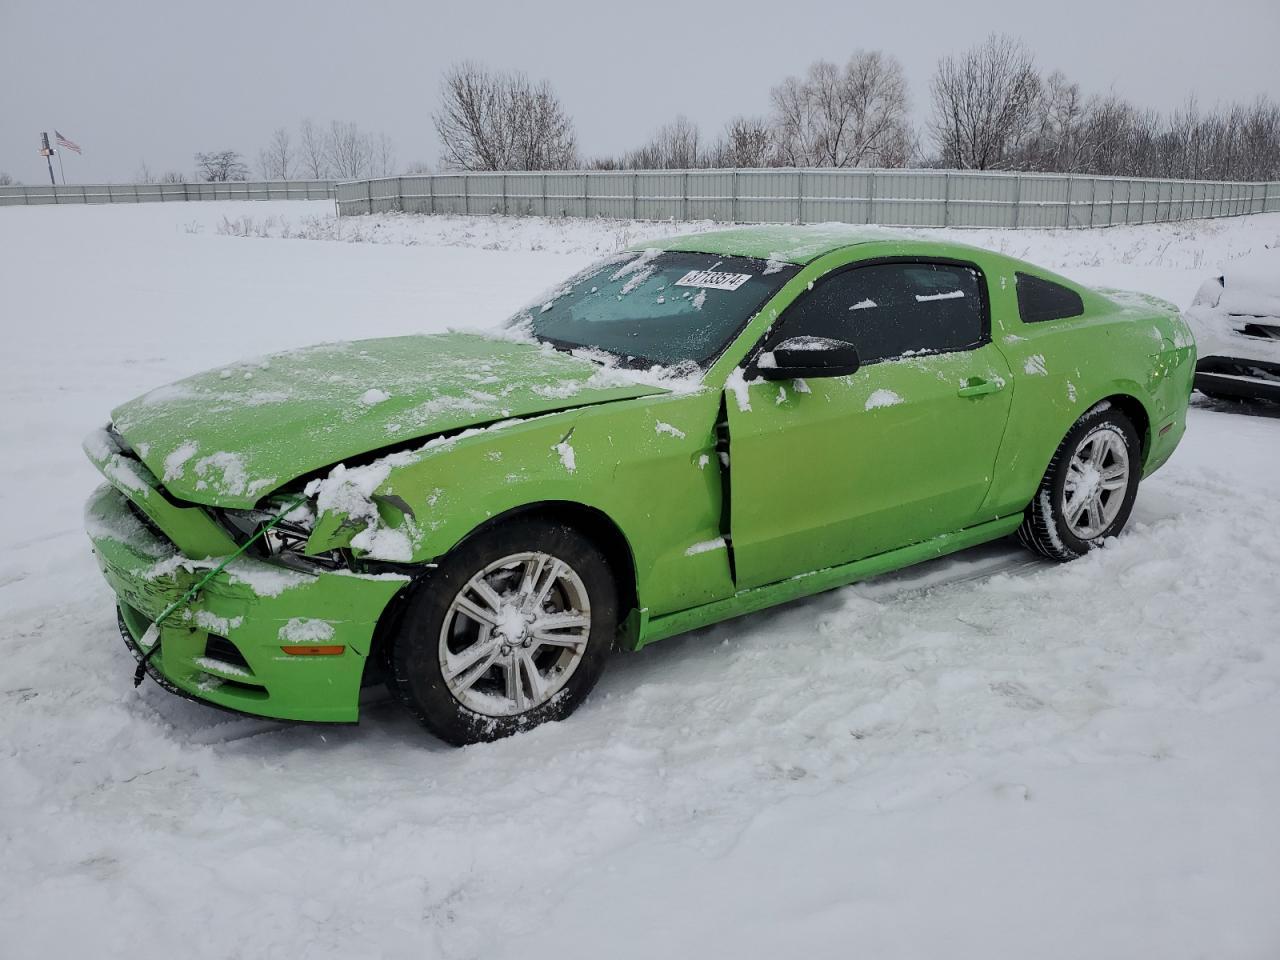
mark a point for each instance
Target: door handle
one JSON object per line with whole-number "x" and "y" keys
{"x": 977, "y": 387}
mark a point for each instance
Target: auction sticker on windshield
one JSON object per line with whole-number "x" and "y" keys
{"x": 714, "y": 279}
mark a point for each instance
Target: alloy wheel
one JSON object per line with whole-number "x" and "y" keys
{"x": 514, "y": 634}
{"x": 1096, "y": 482}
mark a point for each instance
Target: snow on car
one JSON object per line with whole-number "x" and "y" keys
{"x": 505, "y": 513}
{"x": 1236, "y": 320}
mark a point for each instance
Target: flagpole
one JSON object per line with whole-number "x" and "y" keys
{"x": 46, "y": 151}
{"x": 60, "y": 170}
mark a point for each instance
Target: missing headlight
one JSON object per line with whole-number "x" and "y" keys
{"x": 286, "y": 541}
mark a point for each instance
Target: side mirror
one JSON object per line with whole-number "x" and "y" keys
{"x": 808, "y": 357}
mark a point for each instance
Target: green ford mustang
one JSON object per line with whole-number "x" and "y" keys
{"x": 674, "y": 436}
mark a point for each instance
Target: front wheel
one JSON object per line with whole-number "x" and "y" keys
{"x": 1088, "y": 491}
{"x": 511, "y": 630}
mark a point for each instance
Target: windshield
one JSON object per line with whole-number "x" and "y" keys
{"x": 660, "y": 308}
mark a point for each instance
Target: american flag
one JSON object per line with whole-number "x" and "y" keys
{"x": 64, "y": 142}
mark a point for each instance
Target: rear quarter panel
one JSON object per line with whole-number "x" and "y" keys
{"x": 1124, "y": 346}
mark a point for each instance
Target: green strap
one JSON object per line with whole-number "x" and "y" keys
{"x": 192, "y": 593}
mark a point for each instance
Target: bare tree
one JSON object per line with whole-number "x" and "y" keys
{"x": 172, "y": 176}
{"x": 747, "y": 142}
{"x": 383, "y": 156}
{"x": 7, "y": 181}
{"x": 1260, "y": 140}
{"x": 675, "y": 146}
{"x": 143, "y": 174}
{"x": 221, "y": 165}
{"x": 349, "y": 151}
{"x": 850, "y": 117}
{"x": 276, "y": 159}
{"x": 984, "y": 104}
{"x": 1056, "y": 140}
{"x": 313, "y": 159}
{"x": 417, "y": 168}
{"x": 502, "y": 121}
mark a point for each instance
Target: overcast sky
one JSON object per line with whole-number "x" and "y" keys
{"x": 135, "y": 80}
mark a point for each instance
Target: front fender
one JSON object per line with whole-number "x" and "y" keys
{"x": 648, "y": 465}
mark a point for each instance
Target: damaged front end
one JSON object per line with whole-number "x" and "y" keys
{"x": 274, "y": 632}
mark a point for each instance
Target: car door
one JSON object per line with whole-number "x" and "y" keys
{"x": 825, "y": 471}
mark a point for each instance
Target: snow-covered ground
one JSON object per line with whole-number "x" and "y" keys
{"x": 985, "y": 757}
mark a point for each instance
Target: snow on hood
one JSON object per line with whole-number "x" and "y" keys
{"x": 229, "y": 436}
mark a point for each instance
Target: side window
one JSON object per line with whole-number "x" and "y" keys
{"x": 890, "y": 310}
{"x": 1040, "y": 300}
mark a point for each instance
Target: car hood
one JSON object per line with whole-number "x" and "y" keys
{"x": 230, "y": 436}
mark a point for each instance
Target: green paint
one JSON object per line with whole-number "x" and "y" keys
{"x": 826, "y": 485}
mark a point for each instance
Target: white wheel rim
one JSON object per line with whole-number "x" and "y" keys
{"x": 514, "y": 634}
{"x": 1096, "y": 483}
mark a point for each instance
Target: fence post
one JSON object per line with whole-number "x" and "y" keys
{"x": 1093, "y": 199}
{"x": 635, "y": 191}
{"x": 586, "y": 199}
{"x": 799, "y": 196}
{"x": 946, "y": 199}
{"x": 733, "y": 207}
{"x": 871, "y": 196}
{"x": 1066, "y": 209}
{"x": 431, "y": 193}
{"x": 368, "y": 192}
{"x": 1017, "y": 200}
{"x": 504, "y": 194}
{"x": 684, "y": 196}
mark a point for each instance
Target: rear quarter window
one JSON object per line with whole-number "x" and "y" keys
{"x": 1040, "y": 300}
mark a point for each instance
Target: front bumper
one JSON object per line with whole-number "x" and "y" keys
{"x": 227, "y": 647}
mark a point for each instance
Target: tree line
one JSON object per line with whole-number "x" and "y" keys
{"x": 991, "y": 108}
{"x": 340, "y": 150}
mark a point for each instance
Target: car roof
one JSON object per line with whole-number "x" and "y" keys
{"x": 784, "y": 243}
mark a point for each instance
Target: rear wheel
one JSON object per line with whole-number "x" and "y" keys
{"x": 511, "y": 630}
{"x": 1088, "y": 491}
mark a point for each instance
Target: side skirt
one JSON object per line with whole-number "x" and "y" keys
{"x": 807, "y": 584}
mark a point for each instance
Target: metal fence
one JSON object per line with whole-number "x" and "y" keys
{"x": 909, "y": 198}
{"x": 11, "y": 196}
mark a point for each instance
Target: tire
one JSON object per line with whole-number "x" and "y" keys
{"x": 528, "y": 598}
{"x": 1058, "y": 526}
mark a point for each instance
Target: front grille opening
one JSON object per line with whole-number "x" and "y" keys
{"x": 223, "y": 650}
{"x": 1261, "y": 331}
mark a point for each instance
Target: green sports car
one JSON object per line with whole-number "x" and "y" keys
{"x": 675, "y": 436}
